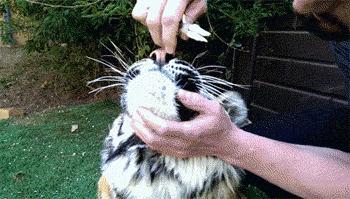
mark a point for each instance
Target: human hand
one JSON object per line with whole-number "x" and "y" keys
{"x": 310, "y": 6}
{"x": 207, "y": 134}
{"x": 162, "y": 18}
{"x": 328, "y": 19}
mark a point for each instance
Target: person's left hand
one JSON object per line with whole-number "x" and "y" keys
{"x": 207, "y": 134}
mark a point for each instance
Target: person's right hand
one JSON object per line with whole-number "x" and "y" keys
{"x": 162, "y": 18}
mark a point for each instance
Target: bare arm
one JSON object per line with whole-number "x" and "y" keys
{"x": 307, "y": 171}
{"x": 310, "y": 172}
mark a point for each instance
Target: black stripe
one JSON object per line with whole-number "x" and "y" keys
{"x": 123, "y": 147}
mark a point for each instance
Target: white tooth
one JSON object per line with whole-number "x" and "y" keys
{"x": 196, "y": 36}
{"x": 197, "y": 29}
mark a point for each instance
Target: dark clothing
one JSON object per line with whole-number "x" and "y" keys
{"x": 325, "y": 127}
{"x": 342, "y": 57}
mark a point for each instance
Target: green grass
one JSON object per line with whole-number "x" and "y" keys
{"x": 41, "y": 158}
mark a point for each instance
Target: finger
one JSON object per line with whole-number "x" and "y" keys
{"x": 187, "y": 131}
{"x": 159, "y": 56}
{"x": 153, "y": 20}
{"x": 159, "y": 125}
{"x": 171, "y": 18}
{"x": 197, "y": 102}
{"x": 141, "y": 131}
{"x": 183, "y": 36}
{"x": 196, "y": 9}
{"x": 140, "y": 10}
{"x": 156, "y": 142}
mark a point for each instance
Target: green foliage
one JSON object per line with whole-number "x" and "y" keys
{"x": 236, "y": 20}
{"x": 83, "y": 24}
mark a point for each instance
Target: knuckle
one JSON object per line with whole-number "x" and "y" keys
{"x": 186, "y": 146}
{"x": 137, "y": 16}
{"x": 152, "y": 143}
{"x": 204, "y": 7}
{"x": 152, "y": 22}
{"x": 183, "y": 154}
{"x": 186, "y": 128}
{"x": 163, "y": 129}
{"x": 216, "y": 106}
{"x": 169, "y": 20}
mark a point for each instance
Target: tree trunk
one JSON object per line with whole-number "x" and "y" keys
{"x": 8, "y": 25}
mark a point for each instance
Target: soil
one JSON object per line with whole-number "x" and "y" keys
{"x": 34, "y": 90}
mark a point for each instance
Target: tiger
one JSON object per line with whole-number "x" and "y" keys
{"x": 130, "y": 169}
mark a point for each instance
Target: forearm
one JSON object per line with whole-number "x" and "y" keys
{"x": 306, "y": 171}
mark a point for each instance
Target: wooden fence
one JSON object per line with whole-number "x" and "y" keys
{"x": 288, "y": 70}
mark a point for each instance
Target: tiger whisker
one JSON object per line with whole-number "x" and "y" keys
{"x": 104, "y": 80}
{"x": 213, "y": 71}
{"x": 112, "y": 77}
{"x": 111, "y": 64}
{"x": 215, "y": 80}
{"x": 215, "y": 86}
{"x": 206, "y": 92}
{"x": 212, "y": 90}
{"x": 199, "y": 56}
{"x": 211, "y": 66}
{"x": 228, "y": 84}
{"x": 108, "y": 65}
{"x": 119, "y": 56}
{"x": 125, "y": 67}
{"x": 97, "y": 90}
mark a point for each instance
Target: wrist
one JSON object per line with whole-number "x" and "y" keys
{"x": 235, "y": 148}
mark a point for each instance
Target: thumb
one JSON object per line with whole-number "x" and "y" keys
{"x": 195, "y": 101}
{"x": 196, "y": 9}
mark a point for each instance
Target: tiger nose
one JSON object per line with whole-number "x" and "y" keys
{"x": 160, "y": 57}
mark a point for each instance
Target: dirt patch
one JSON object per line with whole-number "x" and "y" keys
{"x": 29, "y": 87}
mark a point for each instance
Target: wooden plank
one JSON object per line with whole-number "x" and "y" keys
{"x": 257, "y": 112}
{"x": 242, "y": 68}
{"x": 284, "y": 22}
{"x": 311, "y": 76}
{"x": 283, "y": 99}
{"x": 294, "y": 44}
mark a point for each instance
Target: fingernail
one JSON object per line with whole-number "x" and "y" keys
{"x": 170, "y": 50}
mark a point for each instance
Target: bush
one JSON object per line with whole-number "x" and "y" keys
{"x": 83, "y": 24}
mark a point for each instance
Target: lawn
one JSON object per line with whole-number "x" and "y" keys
{"x": 41, "y": 158}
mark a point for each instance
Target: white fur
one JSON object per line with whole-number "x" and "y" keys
{"x": 150, "y": 87}
{"x": 156, "y": 91}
